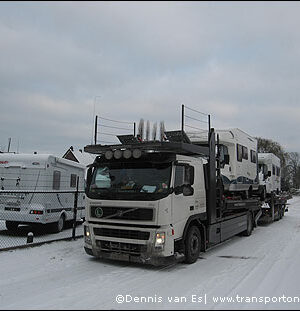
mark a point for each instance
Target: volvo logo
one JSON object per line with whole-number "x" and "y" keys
{"x": 98, "y": 212}
{"x": 120, "y": 213}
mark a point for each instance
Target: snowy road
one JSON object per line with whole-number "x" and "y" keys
{"x": 262, "y": 267}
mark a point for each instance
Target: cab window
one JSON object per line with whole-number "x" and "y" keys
{"x": 184, "y": 174}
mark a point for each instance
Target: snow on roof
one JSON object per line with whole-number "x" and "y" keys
{"x": 25, "y": 157}
{"x": 82, "y": 157}
{"x": 38, "y": 160}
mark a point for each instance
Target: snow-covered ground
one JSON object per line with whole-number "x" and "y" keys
{"x": 263, "y": 267}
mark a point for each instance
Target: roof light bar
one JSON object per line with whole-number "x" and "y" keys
{"x": 117, "y": 154}
{"x": 127, "y": 154}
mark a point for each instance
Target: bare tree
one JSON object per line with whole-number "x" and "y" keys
{"x": 270, "y": 146}
{"x": 293, "y": 167}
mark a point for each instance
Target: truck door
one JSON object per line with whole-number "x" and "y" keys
{"x": 186, "y": 196}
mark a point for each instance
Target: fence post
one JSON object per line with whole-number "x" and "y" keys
{"x": 75, "y": 209}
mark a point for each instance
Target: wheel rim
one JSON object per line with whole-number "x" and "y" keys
{"x": 194, "y": 245}
{"x": 60, "y": 223}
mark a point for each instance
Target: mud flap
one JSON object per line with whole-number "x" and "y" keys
{"x": 257, "y": 217}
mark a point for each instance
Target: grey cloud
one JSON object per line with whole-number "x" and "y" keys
{"x": 235, "y": 61}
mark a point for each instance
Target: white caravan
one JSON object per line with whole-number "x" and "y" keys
{"x": 42, "y": 190}
{"x": 240, "y": 175}
{"x": 269, "y": 172}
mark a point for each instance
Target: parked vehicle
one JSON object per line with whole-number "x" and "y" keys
{"x": 161, "y": 201}
{"x": 39, "y": 189}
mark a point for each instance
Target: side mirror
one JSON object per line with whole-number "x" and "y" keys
{"x": 89, "y": 178}
{"x": 226, "y": 158}
{"x": 178, "y": 190}
{"x": 187, "y": 190}
{"x": 269, "y": 173}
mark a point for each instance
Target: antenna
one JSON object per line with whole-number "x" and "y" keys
{"x": 9, "y": 141}
{"x": 94, "y": 111}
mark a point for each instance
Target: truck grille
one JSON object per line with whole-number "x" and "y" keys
{"x": 128, "y": 248}
{"x": 121, "y": 233}
{"x": 123, "y": 213}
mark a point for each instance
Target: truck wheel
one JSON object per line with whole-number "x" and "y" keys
{"x": 192, "y": 245}
{"x": 11, "y": 225}
{"x": 59, "y": 225}
{"x": 248, "y": 232}
{"x": 281, "y": 212}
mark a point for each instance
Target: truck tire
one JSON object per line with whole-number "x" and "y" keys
{"x": 192, "y": 245}
{"x": 281, "y": 211}
{"x": 59, "y": 225}
{"x": 11, "y": 225}
{"x": 248, "y": 232}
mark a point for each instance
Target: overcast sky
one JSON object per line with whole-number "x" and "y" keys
{"x": 61, "y": 61}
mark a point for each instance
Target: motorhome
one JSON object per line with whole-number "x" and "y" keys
{"x": 240, "y": 174}
{"x": 269, "y": 172}
{"x": 39, "y": 189}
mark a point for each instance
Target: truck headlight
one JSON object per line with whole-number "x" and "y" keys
{"x": 160, "y": 239}
{"x": 87, "y": 235}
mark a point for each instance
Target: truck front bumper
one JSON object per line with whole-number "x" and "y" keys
{"x": 142, "y": 258}
{"x": 131, "y": 244}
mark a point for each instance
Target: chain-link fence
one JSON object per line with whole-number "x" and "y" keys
{"x": 36, "y": 217}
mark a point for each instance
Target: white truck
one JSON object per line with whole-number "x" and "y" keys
{"x": 240, "y": 174}
{"x": 160, "y": 201}
{"x": 269, "y": 172}
{"x": 275, "y": 201}
{"x": 39, "y": 189}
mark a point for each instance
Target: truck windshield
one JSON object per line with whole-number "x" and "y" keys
{"x": 130, "y": 181}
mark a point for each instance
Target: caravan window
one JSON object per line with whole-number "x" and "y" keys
{"x": 223, "y": 151}
{"x": 239, "y": 149}
{"x": 273, "y": 168}
{"x": 245, "y": 153}
{"x": 56, "y": 180}
{"x": 73, "y": 180}
{"x": 277, "y": 171}
{"x": 253, "y": 156}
